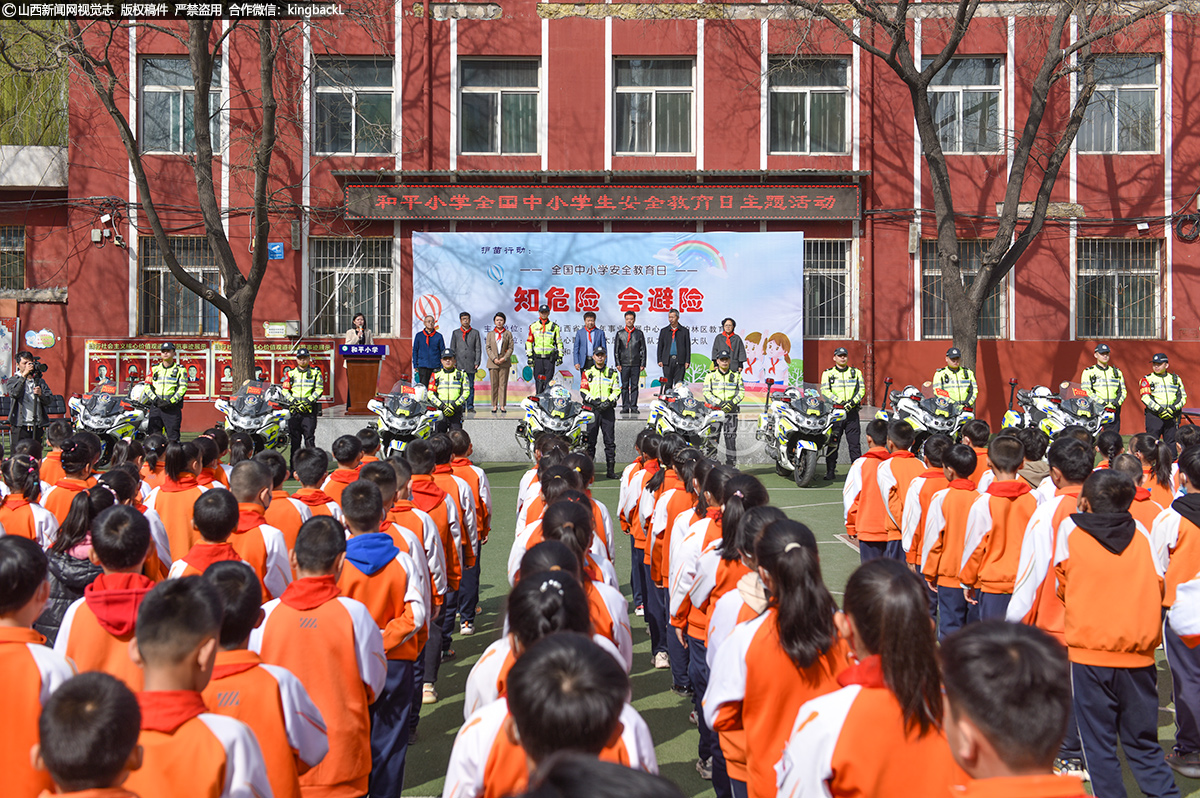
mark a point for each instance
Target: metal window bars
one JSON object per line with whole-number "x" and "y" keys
{"x": 1118, "y": 288}
{"x": 827, "y": 288}
{"x": 165, "y": 306}
{"x": 935, "y": 312}
{"x": 12, "y": 256}
{"x": 350, "y": 276}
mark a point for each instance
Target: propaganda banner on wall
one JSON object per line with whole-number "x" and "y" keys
{"x": 755, "y": 278}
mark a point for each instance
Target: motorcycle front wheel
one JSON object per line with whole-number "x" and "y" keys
{"x": 806, "y": 468}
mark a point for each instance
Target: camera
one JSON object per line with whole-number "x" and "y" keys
{"x": 39, "y": 368}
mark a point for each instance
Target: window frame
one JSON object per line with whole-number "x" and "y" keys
{"x": 500, "y": 91}
{"x": 353, "y": 92}
{"x": 186, "y": 94}
{"x": 1127, "y": 270}
{"x": 209, "y": 319}
{"x": 773, "y": 66}
{"x": 999, "y": 294}
{"x": 9, "y": 235}
{"x": 318, "y": 269}
{"x": 960, "y": 90}
{"x": 654, "y": 92}
{"x": 1156, "y": 88}
{"x": 848, "y": 303}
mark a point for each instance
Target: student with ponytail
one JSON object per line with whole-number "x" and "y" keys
{"x": 77, "y": 457}
{"x": 1157, "y": 458}
{"x": 211, "y": 474}
{"x": 1109, "y": 444}
{"x": 631, "y": 511}
{"x": 892, "y": 695}
{"x": 656, "y": 595}
{"x": 173, "y": 499}
{"x": 675, "y": 500}
{"x": 153, "y": 464}
{"x": 770, "y": 666}
{"x": 20, "y": 513}
{"x": 698, "y": 538}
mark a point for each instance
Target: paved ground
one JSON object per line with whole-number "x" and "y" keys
{"x": 665, "y": 713}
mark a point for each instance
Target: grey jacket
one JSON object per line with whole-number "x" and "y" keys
{"x": 15, "y": 388}
{"x": 468, "y": 348}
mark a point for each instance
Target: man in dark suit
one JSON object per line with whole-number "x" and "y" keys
{"x": 630, "y": 353}
{"x": 674, "y": 350}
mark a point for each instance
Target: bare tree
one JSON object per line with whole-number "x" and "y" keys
{"x": 1037, "y": 150}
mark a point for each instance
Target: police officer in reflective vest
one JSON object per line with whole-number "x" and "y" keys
{"x": 724, "y": 390}
{"x": 845, "y": 385}
{"x": 544, "y": 348}
{"x": 1163, "y": 395}
{"x": 449, "y": 385}
{"x": 169, "y": 381}
{"x": 956, "y": 380}
{"x": 601, "y": 387}
{"x": 304, "y": 385}
{"x": 1106, "y": 384}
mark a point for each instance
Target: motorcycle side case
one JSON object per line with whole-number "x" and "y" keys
{"x": 1012, "y": 420}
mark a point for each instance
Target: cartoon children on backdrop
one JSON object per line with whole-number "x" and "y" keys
{"x": 752, "y": 371}
{"x": 767, "y": 359}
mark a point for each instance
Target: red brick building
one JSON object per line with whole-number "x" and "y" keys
{"x": 529, "y": 92}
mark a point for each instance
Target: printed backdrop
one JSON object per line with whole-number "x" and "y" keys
{"x": 756, "y": 278}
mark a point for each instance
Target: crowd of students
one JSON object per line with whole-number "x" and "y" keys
{"x": 231, "y": 639}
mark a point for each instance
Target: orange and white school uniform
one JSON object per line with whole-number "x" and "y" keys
{"x": 481, "y": 492}
{"x": 825, "y": 755}
{"x": 1176, "y": 536}
{"x": 531, "y": 535}
{"x": 263, "y": 548}
{"x": 684, "y": 569}
{"x": 755, "y": 687}
{"x": 201, "y": 556}
{"x": 894, "y": 477}
{"x": 274, "y": 704}
{"x": 420, "y": 526}
{"x": 637, "y": 510}
{"x": 863, "y": 506}
{"x": 1163, "y": 494}
{"x": 527, "y": 488}
{"x": 189, "y": 752}
{"x": 992, "y": 550}
{"x": 1048, "y": 786}
{"x": 213, "y": 478}
{"x": 671, "y": 499}
{"x": 334, "y": 647}
{"x": 28, "y": 520}
{"x": 1144, "y": 509}
{"x": 460, "y": 491}
{"x": 97, "y": 628}
{"x": 337, "y": 481}
{"x": 287, "y": 515}
{"x": 623, "y": 492}
{"x": 609, "y": 611}
{"x": 387, "y": 582}
{"x": 319, "y": 502}
{"x": 942, "y": 551}
{"x": 29, "y": 673}
{"x": 438, "y": 505}
{"x": 51, "y": 470}
{"x": 1035, "y": 598}
{"x": 173, "y": 501}
{"x": 484, "y": 763}
{"x": 58, "y": 498}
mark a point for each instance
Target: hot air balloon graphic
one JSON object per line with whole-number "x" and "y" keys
{"x": 428, "y": 305}
{"x": 496, "y": 272}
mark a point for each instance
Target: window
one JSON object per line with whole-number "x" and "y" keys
{"x": 1117, "y": 288}
{"x": 808, "y": 105}
{"x": 653, "y": 106}
{"x": 168, "y": 97}
{"x": 352, "y": 109}
{"x": 351, "y": 276}
{"x": 965, "y": 100}
{"x": 935, "y": 313}
{"x": 827, "y": 283}
{"x": 1122, "y": 115}
{"x": 498, "y": 107}
{"x": 165, "y": 306}
{"x": 12, "y": 257}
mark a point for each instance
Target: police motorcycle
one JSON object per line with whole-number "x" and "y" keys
{"x": 795, "y": 426}
{"x": 553, "y": 410}
{"x": 676, "y": 410}
{"x": 928, "y": 410}
{"x": 405, "y": 413}
{"x": 1052, "y": 413}
{"x": 261, "y": 410}
{"x": 112, "y": 414}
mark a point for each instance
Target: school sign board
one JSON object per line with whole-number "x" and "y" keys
{"x": 755, "y": 278}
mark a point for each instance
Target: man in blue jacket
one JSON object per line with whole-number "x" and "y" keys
{"x": 587, "y": 338}
{"x": 427, "y": 351}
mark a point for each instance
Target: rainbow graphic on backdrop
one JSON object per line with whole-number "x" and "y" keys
{"x": 703, "y": 250}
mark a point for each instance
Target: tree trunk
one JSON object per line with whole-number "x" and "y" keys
{"x": 241, "y": 337}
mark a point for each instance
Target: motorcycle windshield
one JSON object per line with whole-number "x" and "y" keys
{"x": 937, "y": 401}
{"x": 557, "y": 406}
{"x": 252, "y": 398}
{"x": 1075, "y": 399}
{"x": 809, "y": 399}
{"x": 402, "y": 401}
{"x": 104, "y": 399}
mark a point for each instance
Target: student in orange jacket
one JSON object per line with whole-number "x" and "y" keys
{"x": 173, "y": 499}
{"x": 920, "y": 494}
{"x": 257, "y": 542}
{"x": 311, "y": 467}
{"x": 20, "y": 513}
{"x": 51, "y": 469}
{"x": 1157, "y": 458}
{"x": 976, "y": 433}
{"x": 284, "y": 513}
{"x": 1111, "y": 638}
{"x": 31, "y": 672}
{"x": 1007, "y": 705}
{"x": 215, "y": 516}
{"x": 267, "y": 698}
{"x": 211, "y": 475}
{"x": 77, "y": 463}
{"x": 481, "y": 492}
{"x": 369, "y": 439}
{"x": 460, "y": 494}
{"x": 891, "y": 695}
{"x": 995, "y": 530}
{"x": 944, "y": 536}
{"x": 770, "y": 666}
{"x": 894, "y": 476}
{"x": 864, "y": 508}
{"x": 1145, "y": 509}
{"x": 335, "y": 648}
{"x": 347, "y": 451}
{"x": 89, "y": 738}
{"x": 188, "y": 751}
{"x": 97, "y": 629}
{"x": 385, "y": 579}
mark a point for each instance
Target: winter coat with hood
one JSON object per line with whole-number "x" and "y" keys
{"x": 69, "y": 576}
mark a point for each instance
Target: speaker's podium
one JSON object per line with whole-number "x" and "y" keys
{"x": 362, "y": 374}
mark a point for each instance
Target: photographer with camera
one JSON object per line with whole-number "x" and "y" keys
{"x": 601, "y": 388}
{"x": 169, "y": 381}
{"x": 30, "y": 398}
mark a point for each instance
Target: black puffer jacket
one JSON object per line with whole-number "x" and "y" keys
{"x": 68, "y": 577}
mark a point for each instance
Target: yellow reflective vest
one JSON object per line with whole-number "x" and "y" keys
{"x": 602, "y": 386}
{"x": 304, "y": 385}
{"x": 721, "y": 388}
{"x": 169, "y": 382}
{"x": 846, "y": 385}
{"x": 1163, "y": 394}
{"x": 958, "y": 383}
{"x": 1105, "y": 384}
{"x": 544, "y": 339}
{"x": 450, "y": 387}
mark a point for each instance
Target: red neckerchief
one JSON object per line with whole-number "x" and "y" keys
{"x": 878, "y": 454}
{"x": 310, "y": 592}
{"x": 167, "y": 710}
{"x": 629, "y": 336}
{"x": 714, "y": 513}
{"x": 346, "y": 475}
{"x": 933, "y": 472}
{"x": 499, "y": 334}
{"x": 750, "y": 364}
{"x": 464, "y": 331}
{"x": 728, "y": 341}
{"x": 203, "y": 555}
{"x": 868, "y": 673}
{"x": 962, "y": 484}
{"x": 651, "y": 467}
{"x": 207, "y": 476}
{"x": 774, "y": 363}
{"x": 250, "y": 516}
{"x": 1009, "y": 489}
{"x": 185, "y": 482}
{"x": 425, "y": 493}
{"x": 461, "y": 462}
{"x": 13, "y": 501}
{"x": 428, "y": 337}
{"x": 231, "y": 663}
{"x": 313, "y": 497}
{"x": 673, "y": 329}
{"x": 442, "y": 469}
{"x": 901, "y": 454}
{"x": 1142, "y": 494}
